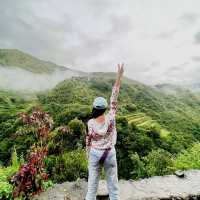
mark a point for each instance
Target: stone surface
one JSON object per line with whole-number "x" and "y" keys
{"x": 102, "y": 189}
{"x": 156, "y": 188}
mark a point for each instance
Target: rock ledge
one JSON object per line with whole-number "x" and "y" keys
{"x": 169, "y": 187}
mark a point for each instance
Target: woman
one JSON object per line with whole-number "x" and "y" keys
{"x": 101, "y": 140}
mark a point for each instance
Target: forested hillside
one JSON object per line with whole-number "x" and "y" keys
{"x": 157, "y": 132}
{"x": 16, "y": 58}
{"x": 140, "y": 106}
{"x": 20, "y": 71}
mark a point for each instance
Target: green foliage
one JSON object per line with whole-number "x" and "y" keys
{"x": 78, "y": 132}
{"x": 178, "y": 141}
{"x": 70, "y": 137}
{"x": 68, "y": 166}
{"x": 150, "y": 123}
{"x": 14, "y": 57}
{"x": 69, "y": 92}
{"x": 72, "y": 111}
{"x": 29, "y": 179}
{"x": 158, "y": 162}
{"x": 47, "y": 184}
{"x": 5, "y": 191}
{"x": 131, "y": 107}
{"x": 189, "y": 158}
{"x": 12, "y": 104}
{"x": 138, "y": 167}
{"x": 5, "y": 173}
{"x": 14, "y": 159}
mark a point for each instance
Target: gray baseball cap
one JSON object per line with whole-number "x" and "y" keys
{"x": 100, "y": 103}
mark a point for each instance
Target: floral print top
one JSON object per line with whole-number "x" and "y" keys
{"x": 104, "y": 135}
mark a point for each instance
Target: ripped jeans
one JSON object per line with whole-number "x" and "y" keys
{"x": 110, "y": 167}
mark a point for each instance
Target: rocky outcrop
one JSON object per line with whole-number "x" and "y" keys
{"x": 169, "y": 187}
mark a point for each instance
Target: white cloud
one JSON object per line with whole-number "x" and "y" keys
{"x": 94, "y": 35}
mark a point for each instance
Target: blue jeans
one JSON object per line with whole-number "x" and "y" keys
{"x": 110, "y": 166}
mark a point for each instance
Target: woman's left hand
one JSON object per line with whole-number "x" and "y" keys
{"x": 120, "y": 69}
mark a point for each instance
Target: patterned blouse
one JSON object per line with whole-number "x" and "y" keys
{"x": 104, "y": 135}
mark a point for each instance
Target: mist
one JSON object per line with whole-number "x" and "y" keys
{"x": 13, "y": 78}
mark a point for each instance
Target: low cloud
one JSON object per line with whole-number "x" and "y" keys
{"x": 12, "y": 78}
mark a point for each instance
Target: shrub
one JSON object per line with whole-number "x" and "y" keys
{"x": 30, "y": 177}
{"x": 67, "y": 138}
{"x": 5, "y": 191}
{"x": 77, "y": 129}
{"x": 158, "y": 162}
{"x": 138, "y": 167}
{"x": 5, "y": 174}
{"x": 68, "y": 166}
{"x": 189, "y": 159}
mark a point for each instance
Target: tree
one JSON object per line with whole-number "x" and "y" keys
{"x": 138, "y": 167}
{"x": 77, "y": 131}
{"x": 158, "y": 162}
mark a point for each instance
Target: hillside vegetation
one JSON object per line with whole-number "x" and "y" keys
{"x": 157, "y": 132}
{"x": 16, "y": 58}
{"x": 135, "y": 99}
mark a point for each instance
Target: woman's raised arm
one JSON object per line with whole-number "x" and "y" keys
{"x": 115, "y": 90}
{"x": 119, "y": 74}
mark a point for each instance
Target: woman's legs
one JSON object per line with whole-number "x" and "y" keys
{"x": 110, "y": 166}
{"x": 94, "y": 172}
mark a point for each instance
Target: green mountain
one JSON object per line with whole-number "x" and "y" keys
{"x": 142, "y": 106}
{"x": 20, "y": 71}
{"x": 16, "y": 58}
{"x": 136, "y": 99}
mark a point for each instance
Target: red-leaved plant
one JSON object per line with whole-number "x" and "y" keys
{"x": 28, "y": 180}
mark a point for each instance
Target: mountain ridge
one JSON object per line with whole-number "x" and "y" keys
{"x": 15, "y": 58}
{"x": 23, "y": 60}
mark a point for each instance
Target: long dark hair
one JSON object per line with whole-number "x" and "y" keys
{"x": 97, "y": 112}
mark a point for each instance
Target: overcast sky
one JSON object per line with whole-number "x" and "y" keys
{"x": 158, "y": 40}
